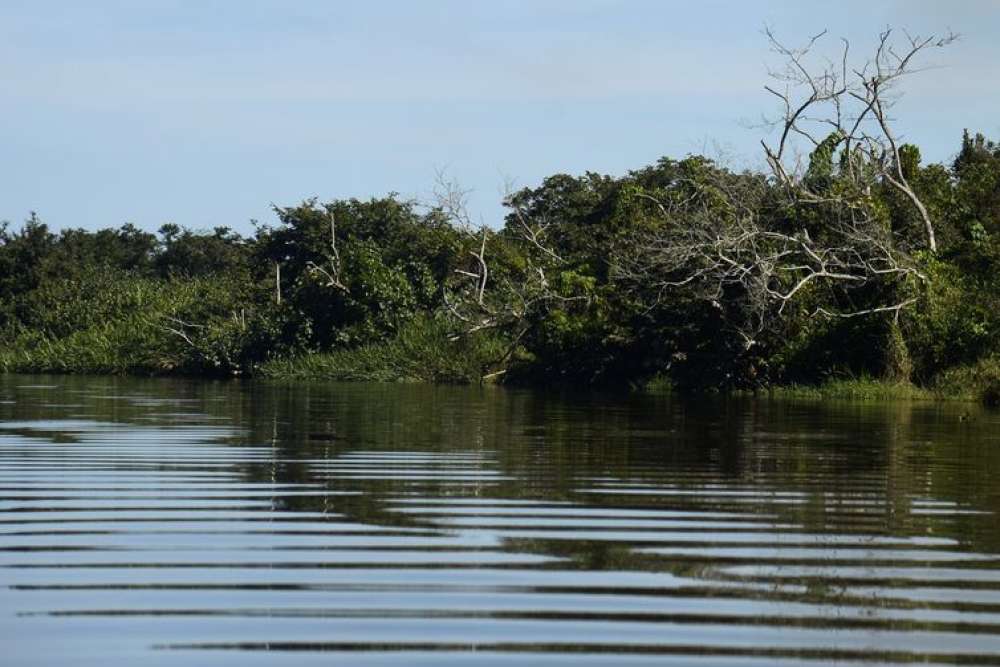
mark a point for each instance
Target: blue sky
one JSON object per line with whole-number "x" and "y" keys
{"x": 203, "y": 113}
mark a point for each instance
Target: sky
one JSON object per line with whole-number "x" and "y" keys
{"x": 206, "y": 113}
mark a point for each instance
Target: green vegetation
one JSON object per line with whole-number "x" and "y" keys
{"x": 980, "y": 381}
{"x": 862, "y": 389}
{"x": 385, "y": 290}
{"x": 422, "y": 351}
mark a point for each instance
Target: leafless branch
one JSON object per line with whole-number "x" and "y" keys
{"x": 722, "y": 247}
{"x": 848, "y": 105}
{"x": 331, "y": 273}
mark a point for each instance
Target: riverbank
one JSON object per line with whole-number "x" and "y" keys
{"x": 152, "y": 341}
{"x": 979, "y": 383}
{"x": 417, "y": 357}
{"x": 421, "y": 352}
{"x": 396, "y": 362}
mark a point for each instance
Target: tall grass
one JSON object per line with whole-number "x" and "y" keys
{"x": 114, "y": 324}
{"x": 858, "y": 389}
{"x": 422, "y": 351}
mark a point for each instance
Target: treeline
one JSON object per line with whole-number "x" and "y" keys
{"x": 682, "y": 272}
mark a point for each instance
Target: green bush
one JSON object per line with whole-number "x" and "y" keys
{"x": 979, "y": 381}
{"x": 956, "y": 322}
{"x": 423, "y": 351}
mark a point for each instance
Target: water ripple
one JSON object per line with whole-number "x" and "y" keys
{"x": 171, "y": 536}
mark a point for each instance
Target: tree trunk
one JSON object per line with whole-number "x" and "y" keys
{"x": 898, "y": 366}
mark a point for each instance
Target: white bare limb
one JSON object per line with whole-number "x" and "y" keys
{"x": 848, "y": 104}
{"x": 723, "y": 247}
{"x": 332, "y": 269}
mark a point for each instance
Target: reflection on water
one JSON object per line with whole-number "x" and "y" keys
{"x": 197, "y": 523}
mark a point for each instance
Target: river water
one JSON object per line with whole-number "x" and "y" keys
{"x": 165, "y": 522}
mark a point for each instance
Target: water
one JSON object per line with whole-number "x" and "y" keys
{"x": 197, "y": 523}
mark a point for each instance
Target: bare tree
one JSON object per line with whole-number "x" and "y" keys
{"x": 849, "y": 106}
{"x": 724, "y": 239}
{"x": 331, "y": 269}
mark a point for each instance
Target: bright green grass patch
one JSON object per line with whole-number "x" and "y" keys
{"x": 423, "y": 351}
{"x": 858, "y": 389}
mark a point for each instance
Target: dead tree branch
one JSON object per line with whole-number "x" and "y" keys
{"x": 481, "y": 298}
{"x": 846, "y": 107}
{"x": 331, "y": 272}
{"x": 723, "y": 246}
